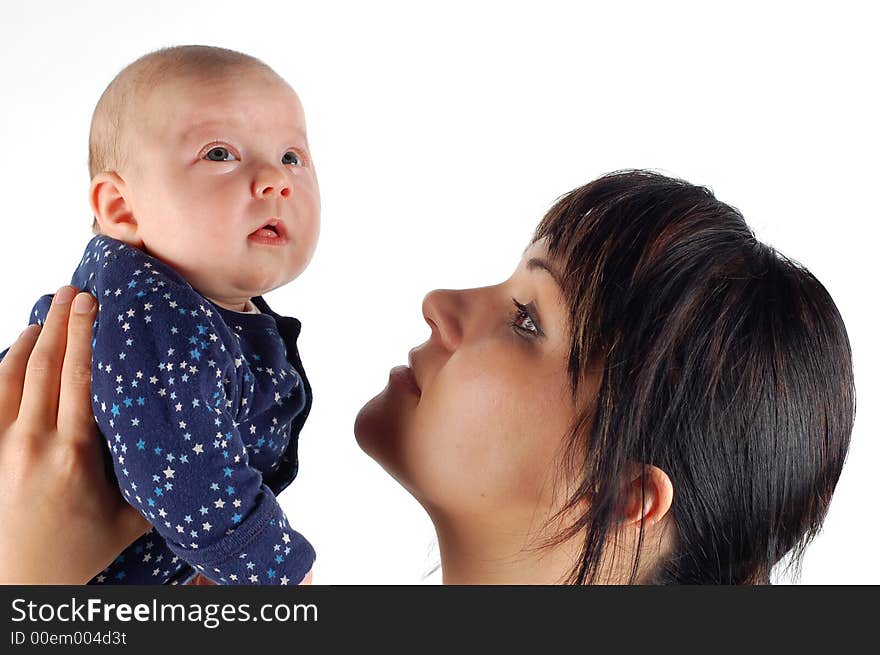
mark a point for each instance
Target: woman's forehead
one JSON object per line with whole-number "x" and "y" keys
{"x": 536, "y": 259}
{"x": 536, "y": 249}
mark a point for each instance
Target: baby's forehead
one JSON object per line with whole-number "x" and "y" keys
{"x": 185, "y": 106}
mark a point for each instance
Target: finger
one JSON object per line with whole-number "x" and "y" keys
{"x": 130, "y": 524}
{"x": 39, "y": 401}
{"x": 75, "y": 419}
{"x": 12, "y": 370}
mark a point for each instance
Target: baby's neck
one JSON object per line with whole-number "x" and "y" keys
{"x": 245, "y": 305}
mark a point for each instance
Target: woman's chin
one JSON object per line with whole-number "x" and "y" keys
{"x": 379, "y": 429}
{"x": 365, "y": 424}
{"x": 376, "y": 424}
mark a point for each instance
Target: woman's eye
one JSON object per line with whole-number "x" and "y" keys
{"x": 290, "y": 157}
{"x": 522, "y": 322}
{"x": 219, "y": 153}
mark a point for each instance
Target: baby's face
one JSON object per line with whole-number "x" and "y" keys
{"x": 222, "y": 186}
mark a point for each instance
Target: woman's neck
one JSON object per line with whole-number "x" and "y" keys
{"x": 472, "y": 552}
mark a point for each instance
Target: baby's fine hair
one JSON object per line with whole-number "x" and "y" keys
{"x": 116, "y": 113}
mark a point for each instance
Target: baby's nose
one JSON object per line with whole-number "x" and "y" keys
{"x": 269, "y": 183}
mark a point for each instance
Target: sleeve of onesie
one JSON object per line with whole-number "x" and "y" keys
{"x": 167, "y": 391}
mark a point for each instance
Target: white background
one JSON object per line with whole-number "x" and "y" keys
{"x": 440, "y": 136}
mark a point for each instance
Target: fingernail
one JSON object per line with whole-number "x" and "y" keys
{"x": 64, "y": 295}
{"x": 83, "y": 303}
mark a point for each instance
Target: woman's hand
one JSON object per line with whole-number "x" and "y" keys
{"x": 61, "y": 520}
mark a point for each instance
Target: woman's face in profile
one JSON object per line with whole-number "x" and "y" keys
{"x": 476, "y": 427}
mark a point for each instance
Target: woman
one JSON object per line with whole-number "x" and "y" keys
{"x": 653, "y": 396}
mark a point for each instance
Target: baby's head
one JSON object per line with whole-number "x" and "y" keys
{"x": 198, "y": 156}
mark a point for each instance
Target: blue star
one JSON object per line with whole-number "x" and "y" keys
{"x": 140, "y": 444}
{"x": 114, "y": 409}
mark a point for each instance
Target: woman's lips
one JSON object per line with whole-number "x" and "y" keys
{"x": 403, "y": 375}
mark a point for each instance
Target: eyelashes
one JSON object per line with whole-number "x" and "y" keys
{"x": 220, "y": 153}
{"x": 523, "y": 320}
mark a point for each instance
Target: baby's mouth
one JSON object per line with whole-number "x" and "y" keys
{"x": 272, "y": 229}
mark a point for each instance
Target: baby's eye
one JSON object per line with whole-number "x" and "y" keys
{"x": 219, "y": 153}
{"x": 290, "y": 157}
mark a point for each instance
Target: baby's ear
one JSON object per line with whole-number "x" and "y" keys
{"x": 108, "y": 196}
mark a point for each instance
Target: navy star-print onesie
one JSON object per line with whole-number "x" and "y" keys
{"x": 201, "y": 408}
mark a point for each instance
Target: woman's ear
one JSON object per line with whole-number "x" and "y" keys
{"x": 652, "y": 484}
{"x": 108, "y": 196}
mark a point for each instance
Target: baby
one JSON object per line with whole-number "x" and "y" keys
{"x": 204, "y": 197}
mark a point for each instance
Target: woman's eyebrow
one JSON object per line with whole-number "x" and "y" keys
{"x": 540, "y": 264}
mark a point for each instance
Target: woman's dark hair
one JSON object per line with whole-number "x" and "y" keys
{"x": 722, "y": 362}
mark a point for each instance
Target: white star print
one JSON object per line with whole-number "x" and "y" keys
{"x": 243, "y": 372}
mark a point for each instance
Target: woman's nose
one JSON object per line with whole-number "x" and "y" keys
{"x": 270, "y": 182}
{"x": 442, "y": 310}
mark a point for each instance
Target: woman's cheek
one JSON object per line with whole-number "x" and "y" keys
{"x": 523, "y": 420}
{"x": 466, "y": 444}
